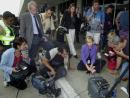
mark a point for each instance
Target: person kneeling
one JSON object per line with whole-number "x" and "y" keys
{"x": 88, "y": 56}
{"x": 54, "y": 62}
{"x": 10, "y": 61}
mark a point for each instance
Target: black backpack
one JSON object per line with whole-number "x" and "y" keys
{"x": 61, "y": 31}
{"x": 22, "y": 69}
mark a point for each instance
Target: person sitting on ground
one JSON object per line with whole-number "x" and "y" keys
{"x": 124, "y": 54}
{"x": 88, "y": 56}
{"x": 54, "y": 61}
{"x": 10, "y": 60}
{"x": 125, "y": 63}
{"x": 115, "y": 43}
{"x": 113, "y": 40}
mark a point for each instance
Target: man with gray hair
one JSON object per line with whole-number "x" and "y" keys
{"x": 31, "y": 28}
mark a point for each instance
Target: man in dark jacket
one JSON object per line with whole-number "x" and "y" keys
{"x": 55, "y": 62}
{"x": 69, "y": 21}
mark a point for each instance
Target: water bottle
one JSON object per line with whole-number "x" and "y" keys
{"x": 114, "y": 93}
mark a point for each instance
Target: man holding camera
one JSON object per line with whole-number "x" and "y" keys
{"x": 54, "y": 62}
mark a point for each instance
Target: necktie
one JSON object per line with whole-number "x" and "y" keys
{"x": 39, "y": 31}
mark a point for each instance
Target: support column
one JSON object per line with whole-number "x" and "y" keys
{"x": 79, "y": 4}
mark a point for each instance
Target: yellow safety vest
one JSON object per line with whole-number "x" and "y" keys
{"x": 6, "y": 38}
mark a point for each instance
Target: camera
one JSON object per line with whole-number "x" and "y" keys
{"x": 50, "y": 90}
{"x": 45, "y": 86}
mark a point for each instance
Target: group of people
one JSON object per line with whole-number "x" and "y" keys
{"x": 36, "y": 29}
{"x": 25, "y": 48}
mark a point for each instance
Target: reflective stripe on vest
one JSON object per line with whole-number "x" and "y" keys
{"x": 6, "y": 39}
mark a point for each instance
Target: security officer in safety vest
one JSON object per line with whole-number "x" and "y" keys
{"x": 6, "y": 32}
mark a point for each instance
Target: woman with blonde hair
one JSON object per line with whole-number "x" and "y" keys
{"x": 88, "y": 56}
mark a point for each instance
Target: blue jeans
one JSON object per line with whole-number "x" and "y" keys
{"x": 124, "y": 65}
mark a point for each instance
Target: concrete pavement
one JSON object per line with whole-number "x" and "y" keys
{"x": 75, "y": 83}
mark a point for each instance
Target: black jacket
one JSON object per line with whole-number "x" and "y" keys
{"x": 78, "y": 22}
{"x": 66, "y": 20}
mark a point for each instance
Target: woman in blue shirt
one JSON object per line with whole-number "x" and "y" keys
{"x": 9, "y": 61}
{"x": 95, "y": 18}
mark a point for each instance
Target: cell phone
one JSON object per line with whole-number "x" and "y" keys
{"x": 24, "y": 67}
{"x": 106, "y": 54}
{"x": 110, "y": 52}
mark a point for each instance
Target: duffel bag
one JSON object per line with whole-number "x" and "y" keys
{"x": 45, "y": 86}
{"x": 98, "y": 87}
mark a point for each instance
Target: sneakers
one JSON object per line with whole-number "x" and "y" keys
{"x": 5, "y": 84}
{"x": 75, "y": 56}
{"x": 66, "y": 67}
{"x": 124, "y": 90}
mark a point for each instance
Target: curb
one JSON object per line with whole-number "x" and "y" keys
{"x": 67, "y": 90}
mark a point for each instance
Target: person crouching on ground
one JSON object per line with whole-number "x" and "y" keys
{"x": 88, "y": 56}
{"x": 10, "y": 60}
{"x": 114, "y": 61}
{"x": 54, "y": 62}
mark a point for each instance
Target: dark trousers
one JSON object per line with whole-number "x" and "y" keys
{"x": 20, "y": 83}
{"x": 99, "y": 64}
{"x": 34, "y": 47}
{"x": 81, "y": 66}
{"x": 103, "y": 41}
{"x": 77, "y": 35}
{"x": 47, "y": 45}
{"x": 32, "y": 68}
{"x": 60, "y": 72}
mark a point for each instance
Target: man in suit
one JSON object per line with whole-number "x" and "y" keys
{"x": 31, "y": 28}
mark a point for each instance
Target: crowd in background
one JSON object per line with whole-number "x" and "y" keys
{"x": 104, "y": 37}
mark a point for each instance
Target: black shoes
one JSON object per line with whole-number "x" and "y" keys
{"x": 75, "y": 56}
{"x": 70, "y": 55}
